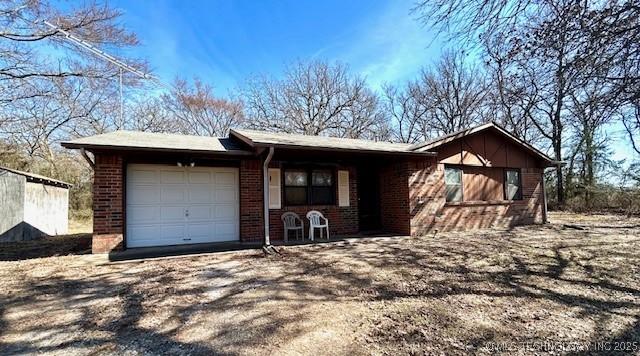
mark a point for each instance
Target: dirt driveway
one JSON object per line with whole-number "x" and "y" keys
{"x": 450, "y": 293}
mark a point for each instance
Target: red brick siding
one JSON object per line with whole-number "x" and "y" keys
{"x": 108, "y": 211}
{"x": 426, "y": 194}
{"x": 251, "y": 207}
{"x": 342, "y": 220}
{"x": 429, "y": 212}
{"x": 394, "y": 198}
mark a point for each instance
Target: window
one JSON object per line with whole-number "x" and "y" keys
{"x": 453, "y": 183}
{"x": 322, "y": 192}
{"x": 295, "y": 187}
{"x": 300, "y": 190}
{"x": 512, "y": 185}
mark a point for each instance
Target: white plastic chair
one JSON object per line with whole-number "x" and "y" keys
{"x": 290, "y": 221}
{"x": 317, "y": 221}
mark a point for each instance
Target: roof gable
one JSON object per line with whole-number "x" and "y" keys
{"x": 430, "y": 145}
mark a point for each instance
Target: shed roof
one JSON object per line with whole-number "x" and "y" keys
{"x": 37, "y": 178}
{"x": 256, "y": 138}
{"x": 149, "y": 141}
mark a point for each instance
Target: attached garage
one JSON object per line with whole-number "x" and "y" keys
{"x": 171, "y": 205}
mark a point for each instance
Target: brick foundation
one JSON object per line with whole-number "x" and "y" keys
{"x": 107, "y": 243}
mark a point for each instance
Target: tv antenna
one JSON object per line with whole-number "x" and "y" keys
{"x": 122, "y": 66}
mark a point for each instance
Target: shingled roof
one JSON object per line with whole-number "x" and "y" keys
{"x": 137, "y": 140}
{"x": 255, "y": 138}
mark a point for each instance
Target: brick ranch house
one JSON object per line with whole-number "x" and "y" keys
{"x": 163, "y": 189}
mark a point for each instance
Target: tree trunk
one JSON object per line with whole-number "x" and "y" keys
{"x": 588, "y": 162}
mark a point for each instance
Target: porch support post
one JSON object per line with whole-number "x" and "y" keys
{"x": 265, "y": 195}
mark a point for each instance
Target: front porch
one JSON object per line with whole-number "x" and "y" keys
{"x": 360, "y": 194}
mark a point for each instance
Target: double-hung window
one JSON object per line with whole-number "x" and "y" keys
{"x": 453, "y": 183}
{"x": 309, "y": 187}
{"x": 512, "y": 185}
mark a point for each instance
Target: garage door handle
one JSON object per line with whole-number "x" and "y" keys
{"x": 186, "y": 213}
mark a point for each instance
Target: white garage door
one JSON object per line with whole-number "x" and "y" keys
{"x": 169, "y": 205}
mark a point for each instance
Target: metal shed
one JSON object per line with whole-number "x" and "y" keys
{"x": 32, "y": 206}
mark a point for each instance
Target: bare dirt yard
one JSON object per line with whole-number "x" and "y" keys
{"x": 532, "y": 289}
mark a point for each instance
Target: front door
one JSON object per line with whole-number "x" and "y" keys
{"x": 369, "y": 198}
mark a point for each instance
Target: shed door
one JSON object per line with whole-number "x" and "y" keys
{"x": 167, "y": 205}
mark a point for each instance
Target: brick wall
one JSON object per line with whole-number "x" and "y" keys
{"x": 251, "y": 208}
{"x": 342, "y": 220}
{"x": 394, "y": 198}
{"x": 430, "y": 212}
{"x": 108, "y": 212}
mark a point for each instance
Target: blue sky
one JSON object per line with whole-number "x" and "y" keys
{"x": 225, "y": 42}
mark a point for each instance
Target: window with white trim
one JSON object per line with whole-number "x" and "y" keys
{"x": 453, "y": 183}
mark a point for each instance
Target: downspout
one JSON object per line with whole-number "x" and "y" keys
{"x": 265, "y": 198}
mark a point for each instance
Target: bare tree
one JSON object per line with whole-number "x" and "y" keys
{"x": 512, "y": 97}
{"x": 150, "y": 115}
{"x": 557, "y": 46}
{"x": 631, "y": 122}
{"x": 314, "y": 98}
{"x": 453, "y": 93}
{"x": 407, "y": 112}
{"x": 50, "y": 89}
{"x": 447, "y": 97}
{"x": 197, "y": 111}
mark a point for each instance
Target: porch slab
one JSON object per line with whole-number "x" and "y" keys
{"x": 217, "y": 247}
{"x": 180, "y": 250}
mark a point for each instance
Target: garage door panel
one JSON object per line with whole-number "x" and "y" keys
{"x": 204, "y": 212}
{"x": 225, "y": 195}
{"x": 143, "y": 214}
{"x": 159, "y": 197}
{"x": 225, "y": 229}
{"x": 225, "y": 178}
{"x": 200, "y": 230}
{"x": 172, "y": 213}
{"x": 143, "y": 230}
{"x": 224, "y": 212}
{"x": 172, "y": 233}
{"x": 172, "y": 176}
{"x": 172, "y": 194}
{"x": 200, "y": 177}
{"x": 201, "y": 193}
{"x": 143, "y": 176}
{"x": 143, "y": 194}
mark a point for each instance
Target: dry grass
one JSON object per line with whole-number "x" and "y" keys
{"x": 452, "y": 293}
{"x": 80, "y": 225}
